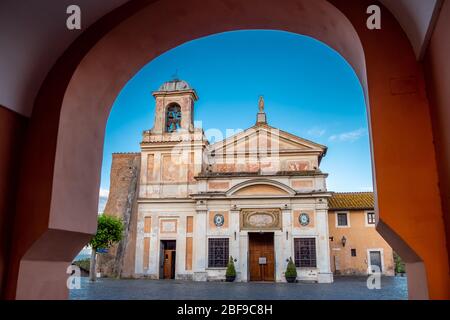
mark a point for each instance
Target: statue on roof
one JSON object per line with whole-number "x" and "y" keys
{"x": 261, "y": 116}
{"x": 261, "y": 104}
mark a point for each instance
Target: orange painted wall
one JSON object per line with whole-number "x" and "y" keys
{"x": 406, "y": 180}
{"x": 437, "y": 71}
{"x": 359, "y": 237}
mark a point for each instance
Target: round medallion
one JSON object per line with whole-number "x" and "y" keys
{"x": 219, "y": 220}
{"x": 303, "y": 219}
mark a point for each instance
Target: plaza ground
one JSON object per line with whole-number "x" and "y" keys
{"x": 343, "y": 288}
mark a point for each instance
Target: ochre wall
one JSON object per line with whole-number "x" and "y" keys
{"x": 359, "y": 237}
{"x": 437, "y": 71}
{"x": 12, "y": 132}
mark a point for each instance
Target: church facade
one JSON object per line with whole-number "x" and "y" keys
{"x": 258, "y": 196}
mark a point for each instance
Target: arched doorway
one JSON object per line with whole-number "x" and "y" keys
{"x": 60, "y": 212}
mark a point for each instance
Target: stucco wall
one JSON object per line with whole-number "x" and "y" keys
{"x": 437, "y": 70}
{"x": 361, "y": 237}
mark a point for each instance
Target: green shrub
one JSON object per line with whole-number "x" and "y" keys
{"x": 231, "y": 271}
{"x": 399, "y": 264}
{"x": 291, "y": 270}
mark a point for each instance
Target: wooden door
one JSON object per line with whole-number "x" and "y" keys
{"x": 169, "y": 264}
{"x": 261, "y": 257}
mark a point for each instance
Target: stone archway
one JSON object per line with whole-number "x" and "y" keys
{"x": 67, "y": 128}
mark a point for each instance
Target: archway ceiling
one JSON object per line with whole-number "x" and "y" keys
{"x": 33, "y": 36}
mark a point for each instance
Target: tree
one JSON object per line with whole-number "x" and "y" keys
{"x": 109, "y": 232}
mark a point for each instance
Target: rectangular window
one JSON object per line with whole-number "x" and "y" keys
{"x": 218, "y": 252}
{"x": 370, "y": 217}
{"x": 342, "y": 219}
{"x": 305, "y": 252}
{"x": 353, "y": 252}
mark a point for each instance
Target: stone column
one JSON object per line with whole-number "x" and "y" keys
{"x": 279, "y": 244}
{"x": 138, "y": 262}
{"x": 243, "y": 256}
{"x": 180, "y": 259}
{"x": 155, "y": 249}
{"x": 234, "y": 241}
{"x": 200, "y": 250}
{"x": 285, "y": 240}
{"x": 323, "y": 247}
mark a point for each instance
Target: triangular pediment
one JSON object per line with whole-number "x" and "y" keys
{"x": 261, "y": 138}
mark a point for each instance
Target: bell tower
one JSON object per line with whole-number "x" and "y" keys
{"x": 174, "y": 110}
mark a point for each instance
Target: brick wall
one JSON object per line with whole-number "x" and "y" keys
{"x": 123, "y": 193}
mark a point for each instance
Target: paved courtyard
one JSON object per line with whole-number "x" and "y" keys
{"x": 344, "y": 288}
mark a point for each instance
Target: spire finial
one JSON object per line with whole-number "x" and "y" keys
{"x": 261, "y": 116}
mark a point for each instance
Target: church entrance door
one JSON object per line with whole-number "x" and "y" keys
{"x": 261, "y": 257}
{"x": 167, "y": 264}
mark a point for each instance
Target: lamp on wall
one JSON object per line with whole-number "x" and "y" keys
{"x": 343, "y": 241}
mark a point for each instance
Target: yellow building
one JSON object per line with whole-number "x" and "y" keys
{"x": 356, "y": 248}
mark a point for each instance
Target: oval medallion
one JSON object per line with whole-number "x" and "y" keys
{"x": 303, "y": 219}
{"x": 219, "y": 220}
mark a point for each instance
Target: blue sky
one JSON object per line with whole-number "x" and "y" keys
{"x": 309, "y": 90}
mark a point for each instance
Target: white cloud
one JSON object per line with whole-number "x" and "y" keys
{"x": 104, "y": 193}
{"x": 350, "y": 136}
{"x": 316, "y": 132}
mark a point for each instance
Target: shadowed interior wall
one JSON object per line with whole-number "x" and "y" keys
{"x": 31, "y": 233}
{"x": 437, "y": 69}
{"x": 12, "y": 131}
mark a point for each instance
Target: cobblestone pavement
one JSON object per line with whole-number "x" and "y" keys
{"x": 343, "y": 288}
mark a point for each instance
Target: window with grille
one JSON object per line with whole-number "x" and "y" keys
{"x": 342, "y": 219}
{"x": 370, "y": 217}
{"x": 218, "y": 252}
{"x": 305, "y": 252}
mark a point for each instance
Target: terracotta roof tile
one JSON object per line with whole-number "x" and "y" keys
{"x": 351, "y": 200}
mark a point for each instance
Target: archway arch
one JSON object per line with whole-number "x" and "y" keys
{"x": 61, "y": 216}
{"x": 267, "y": 186}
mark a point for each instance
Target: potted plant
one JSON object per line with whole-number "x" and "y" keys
{"x": 291, "y": 272}
{"x": 230, "y": 275}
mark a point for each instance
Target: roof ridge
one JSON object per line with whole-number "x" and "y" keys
{"x": 352, "y": 192}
